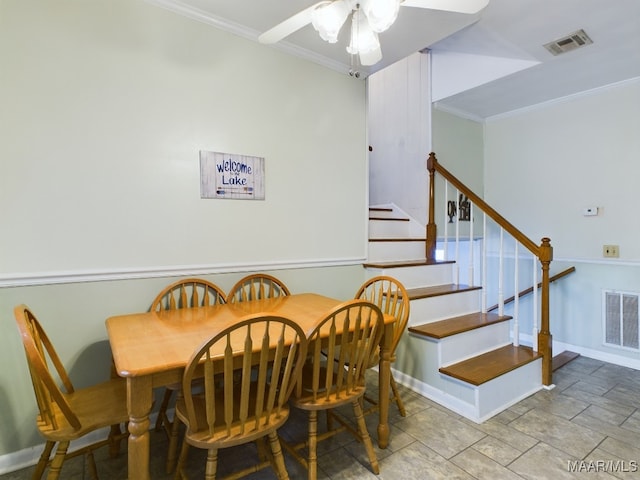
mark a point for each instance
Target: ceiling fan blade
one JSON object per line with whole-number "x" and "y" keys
{"x": 371, "y": 58}
{"x": 459, "y": 6}
{"x": 290, "y": 25}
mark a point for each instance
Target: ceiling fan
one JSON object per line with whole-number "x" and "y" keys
{"x": 368, "y": 18}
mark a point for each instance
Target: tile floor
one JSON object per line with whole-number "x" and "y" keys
{"x": 587, "y": 427}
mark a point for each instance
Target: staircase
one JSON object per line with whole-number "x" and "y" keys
{"x": 452, "y": 353}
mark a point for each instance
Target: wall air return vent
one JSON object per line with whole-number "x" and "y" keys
{"x": 570, "y": 42}
{"x": 621, "y": 320}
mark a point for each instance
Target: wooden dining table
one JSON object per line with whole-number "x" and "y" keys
{"x": 151, "y": 350}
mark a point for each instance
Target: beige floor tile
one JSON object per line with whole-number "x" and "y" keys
{"x": 417, "y": 461}
{"x": 440, "y": 432}
{"x": 593, "y": 415}
{"x": 497, "y": 450}
{"x": 613, "y": 464}
{"x": 482, "y": 467}
{"x": 572, "y": 438}
{"x": 544, "y": 462}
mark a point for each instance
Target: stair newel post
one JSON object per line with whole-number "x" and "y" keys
{"x": 544, "y": 336}
{"x": 431, "y": 225}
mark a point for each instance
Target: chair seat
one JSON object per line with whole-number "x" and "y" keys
{"x": 97, "y": 406}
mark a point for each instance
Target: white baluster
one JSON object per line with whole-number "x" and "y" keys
{"x": 471, "y": 282}
{"x": 456, "y": 266}
{"x": 535, "y": 304}
{"x": 501, "y": 274}
{"x": 516, "y": 300}
{"x": 484, "y": 263}
{"x": 446, "y": 220}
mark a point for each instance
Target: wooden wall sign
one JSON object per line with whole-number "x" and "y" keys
{"x": 228, "y": 175}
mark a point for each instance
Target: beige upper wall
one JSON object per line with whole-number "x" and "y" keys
{"x": 575, "y": 153}
{"x": 459, "y": 146}
{"x": 105, "y": 106}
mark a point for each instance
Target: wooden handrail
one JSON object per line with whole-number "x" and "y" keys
{"x": 529, "y": 290}
{"x": 544, "y": 253}
{"x": 432, "y": 162}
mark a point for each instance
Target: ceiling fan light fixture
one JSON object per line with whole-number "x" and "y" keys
{"x": 363, "y": 39}
{"x": 328, "y": 19}
{"x": 381, "y": 13}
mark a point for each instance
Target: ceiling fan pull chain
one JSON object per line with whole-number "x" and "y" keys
{"x": 353, "y": 53}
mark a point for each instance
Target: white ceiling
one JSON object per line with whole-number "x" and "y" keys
{"x": 483, "y": 65}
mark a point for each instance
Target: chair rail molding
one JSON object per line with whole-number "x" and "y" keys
{"x": 100, "y": 275}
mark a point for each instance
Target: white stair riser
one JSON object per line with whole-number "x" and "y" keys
{"x": 510, "y": 388}
{"x": 418, "y": 276}
{"x": 395, "y": 229}
{"x": 477, "y": 403}
{"x": 457, "y": 348}
{"x": 500, "y": 393}
{"x": 388, "y": 229}
{"x": 431, "y": 309}
{"x": 395, "y": 251}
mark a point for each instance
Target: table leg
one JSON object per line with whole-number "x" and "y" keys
{"x": 384, "y": 379}
{"x": 139, "y": 401}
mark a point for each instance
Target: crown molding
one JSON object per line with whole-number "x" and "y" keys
{"x": 560, "y": 100}
{"x": 176, "y": 6}
{"x": 443, "y": 107}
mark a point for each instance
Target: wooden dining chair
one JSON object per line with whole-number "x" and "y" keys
{"x": 185, "y": 293}
{"x": 66, "y": 413}
{"x": 350, "y": 334}
{"x": 188, "y": 293}
{"x": 391, "y": 297}
{"x": 269, "y": 353}
{"x": 257, "y": 286}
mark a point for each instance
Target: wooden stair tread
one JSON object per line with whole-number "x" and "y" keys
{"x": 405, "y": 263}
{"x": 403, "y": 239}
{"x": 562, "y": 359}
{"x": 437, "y": 290}
{"x": 380, "y": 209}
{"x": 491, "y": 365}
{"x": 455, "y": 325}
{"x": 389, "y": 219}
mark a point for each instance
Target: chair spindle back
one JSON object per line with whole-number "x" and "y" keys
{"x": 42, "y": 359}
{"x": 392, "y": 298}
{"x": 361, "y": 325}
{"x": 269, "y": 353}
{"x": 188, "y": 293}
{"x": 256, "y": 287}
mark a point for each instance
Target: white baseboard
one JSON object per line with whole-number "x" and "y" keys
{"x": 452, "y": 403}
{"x": 619, "y": 360}
{"x": 27, "y": 457}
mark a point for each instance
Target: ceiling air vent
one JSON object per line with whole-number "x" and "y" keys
{"x": 570, "y": 42}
